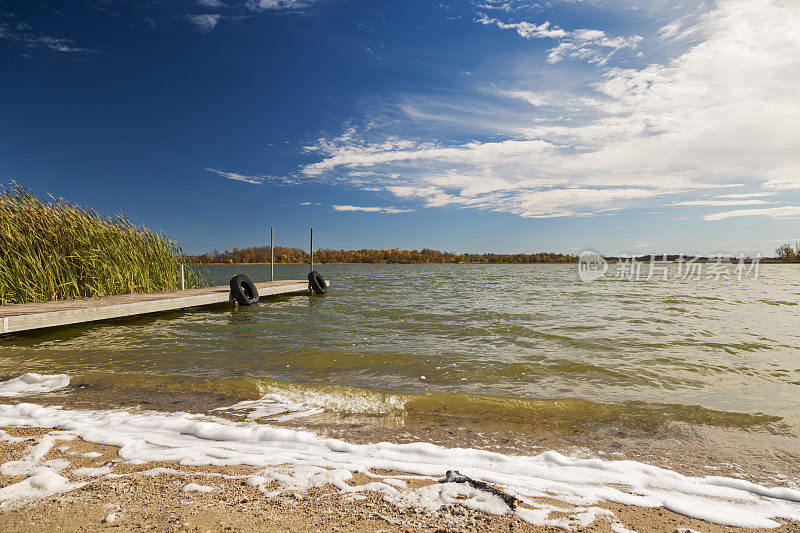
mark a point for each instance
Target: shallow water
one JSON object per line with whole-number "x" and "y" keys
{"x": 530, "y": 347}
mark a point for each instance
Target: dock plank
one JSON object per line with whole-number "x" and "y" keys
{"x": 37, "y": 315}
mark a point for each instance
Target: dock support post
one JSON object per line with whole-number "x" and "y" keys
{"x": 311, "y": 249}
{"x": 183, "y": 279}
{"x": 271, "y": 256}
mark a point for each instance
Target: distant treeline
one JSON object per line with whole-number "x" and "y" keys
{"x": 283, "y": 254}
{"x": 785, "y": 252}
{"x": 260, "y": 254}
{"x": 679, "y": 258}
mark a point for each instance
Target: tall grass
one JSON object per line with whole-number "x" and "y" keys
{"x": 54, "y": 250}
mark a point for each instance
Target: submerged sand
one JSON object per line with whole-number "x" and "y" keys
{"x": 141, "y": 498}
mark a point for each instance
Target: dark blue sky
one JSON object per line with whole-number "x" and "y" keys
{"x": 481, "y": 126}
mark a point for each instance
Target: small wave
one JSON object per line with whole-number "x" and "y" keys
{"x": 777, "y": 302}
{"x": 576, "y": 414}
{"x": 32, "y": 383}
{"x": 282, "y": 402}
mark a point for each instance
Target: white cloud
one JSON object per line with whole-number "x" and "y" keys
{"x": 747, "y": 195}
{"x": 722, "y": 113}
{"x": 523, "y": 201}
{"x": 784, "y": 178}
{"x": 772, "y": 212}
{"x": 597, "y": 50}
{"x": 204, "y": 23}
{"x": 351, "y": 208}
{"x": 207, "y": 22}
{"x": 395, "y": 150}
{"x": 670, "y": 30}
{"x": 495, "y": 4}
{"x": 277, "y": 4}
{"x": 551, "y": 98}
{"x": 63, "y": 45}
{"x": 721, "y": 202}
{"x": 24, "y": 34}
{"x": 526, "y": 30}
{"x": 593, "y": 46}
{"x": 536, "y": 99}
{"x": 256, "y": 180}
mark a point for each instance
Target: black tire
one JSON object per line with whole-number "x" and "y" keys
{"x": 243, "y": 290}
{"x": 317, "y": 283}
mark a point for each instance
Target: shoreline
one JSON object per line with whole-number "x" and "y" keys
{"x": 167, "y": 495}
{"x": 166, "y": 469}
{"x": 763, "y": 261}
{"x": 753, "y": 447}
{"x": 398, "y": 263}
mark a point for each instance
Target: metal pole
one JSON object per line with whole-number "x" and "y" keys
{"x": 183, "y": 281}
{"x": 312, "y": 249}
{"x": 271, "y": 256}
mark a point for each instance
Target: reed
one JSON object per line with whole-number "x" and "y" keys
{"x": 54, "y": 250}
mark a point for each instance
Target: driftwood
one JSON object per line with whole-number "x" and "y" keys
{"x": 453, "y": 476}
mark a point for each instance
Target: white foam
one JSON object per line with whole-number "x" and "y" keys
{"x": 396, "y": 483}
{"x": 92, "y": 472}
{"x": 273, "y": 407}
{"x": 42, "y": 482}
{"x": 430, "y": 497}
{"x": 5, "y": 437}
{"x": 194, "y": 487}
{"x": 43, "y": 479}
{"x": 32, "y": 383}
{"x": 56, "y": 464}
{"x": 200, "y": 440}
{"x": 616, "y": 527}
{"x": 255, "y": 481}
{"x": 33, "y": 457}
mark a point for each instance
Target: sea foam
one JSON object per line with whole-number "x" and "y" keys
{"x": 311, "y": 460}
{"x": 33, "y": 383}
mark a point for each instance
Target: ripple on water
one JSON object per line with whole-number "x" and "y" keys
{"x": 516, "y": 331}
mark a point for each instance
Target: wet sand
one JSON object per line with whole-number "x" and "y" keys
{"x": 141, "y": 501}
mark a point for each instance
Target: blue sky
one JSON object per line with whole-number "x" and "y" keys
{"x": 493, "y": 125}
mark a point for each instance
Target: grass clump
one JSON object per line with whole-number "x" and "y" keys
{"x": 55, "y": 250}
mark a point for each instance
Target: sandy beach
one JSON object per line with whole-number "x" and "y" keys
{"x": 111, "y": 493}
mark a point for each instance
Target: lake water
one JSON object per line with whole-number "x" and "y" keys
{"x": 682, "y": 371}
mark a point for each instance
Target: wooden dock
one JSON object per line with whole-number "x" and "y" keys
{"x": 37, "y": 315}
